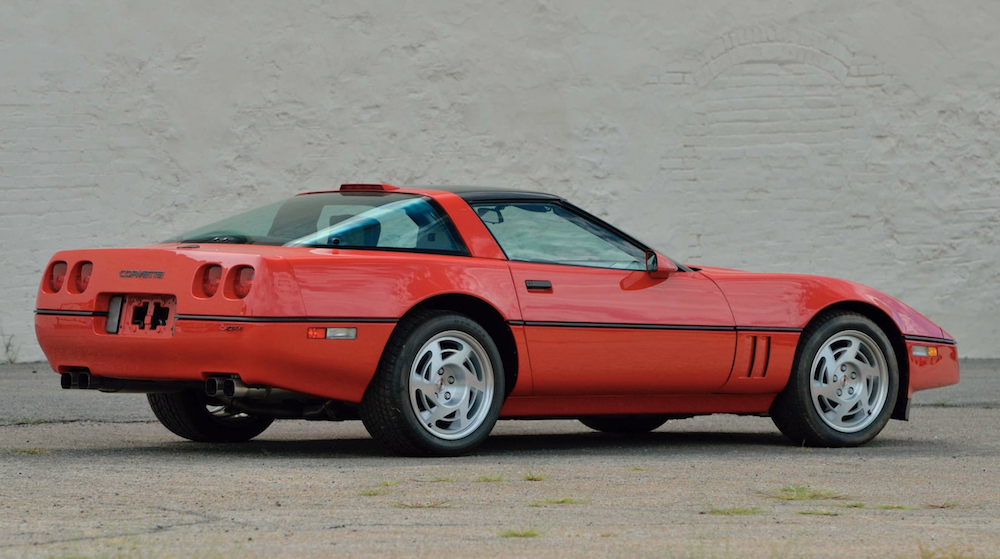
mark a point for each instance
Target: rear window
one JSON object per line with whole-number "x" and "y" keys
{"x": 366, "y": 220}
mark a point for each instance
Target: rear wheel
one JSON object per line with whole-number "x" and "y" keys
{"x": 197, "y": 417}
{"x": 844, "y": 385}
{"x": 438, "y": 389}
{"x": 624, "y": 423}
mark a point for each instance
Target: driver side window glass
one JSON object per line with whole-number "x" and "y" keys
{"x": 546, "y": 232}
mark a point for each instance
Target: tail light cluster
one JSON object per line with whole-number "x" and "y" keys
{"x": 235, "y": 284}
{"x": 79, "y": 277}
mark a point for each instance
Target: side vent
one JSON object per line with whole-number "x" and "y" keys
{"x": 753, "y": 356}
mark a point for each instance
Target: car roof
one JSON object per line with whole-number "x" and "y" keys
{"x": 483, "y": 193}
{"x": 467, "y": 193}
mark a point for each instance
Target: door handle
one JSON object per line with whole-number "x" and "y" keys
{"x": 538, "y": 285}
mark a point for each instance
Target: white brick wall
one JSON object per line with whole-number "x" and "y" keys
{"x": 853, "y": 139}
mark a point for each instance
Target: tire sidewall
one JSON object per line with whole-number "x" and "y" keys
{"x": 400, "y": 379}
{"x": 812, "y": 346}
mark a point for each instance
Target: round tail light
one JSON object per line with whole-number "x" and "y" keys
{"x": 210, "y": 280}
{"x": 83, "y": 273}
{"x": 242, "y": 282}
{"x": 57, "y": 276}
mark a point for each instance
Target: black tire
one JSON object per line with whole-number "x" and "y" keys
{"x": 807, "y": 410}
{"x": 624, "y": 424}
{"x": 401, "y": 409}
{"x": 187, "y": 415}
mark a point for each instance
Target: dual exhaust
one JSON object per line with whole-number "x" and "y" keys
{"x": 224, "y": 387}
{"x": 228, "y": 387}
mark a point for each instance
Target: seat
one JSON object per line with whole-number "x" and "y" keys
{"x": 361, "y": 232}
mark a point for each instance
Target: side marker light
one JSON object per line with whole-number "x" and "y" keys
{"x": 332, "y": 333}
{"x": 925, "y": 351}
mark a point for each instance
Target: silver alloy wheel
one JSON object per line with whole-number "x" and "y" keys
{"x": 849, "y": 381}
{"x": 451, "y": 385}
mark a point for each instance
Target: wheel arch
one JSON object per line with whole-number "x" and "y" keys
{"x": 488, "y": 317}
{"x": 892, "y": 331}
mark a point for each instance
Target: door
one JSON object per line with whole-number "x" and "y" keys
{"x": 596, "y": 323}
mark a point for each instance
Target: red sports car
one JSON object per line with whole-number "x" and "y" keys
{"x": 429, "y": 313}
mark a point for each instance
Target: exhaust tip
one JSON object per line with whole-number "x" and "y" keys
{"x": 66, "y": 380}
{"x": 229, "y": 387}
{"x": 83, "y": 381}
{"x": 212, "y": 387}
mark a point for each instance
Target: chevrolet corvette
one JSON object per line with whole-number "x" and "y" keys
{"x": 430, "y": 313}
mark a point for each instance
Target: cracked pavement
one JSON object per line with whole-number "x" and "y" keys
{"x": 93, "y": 475}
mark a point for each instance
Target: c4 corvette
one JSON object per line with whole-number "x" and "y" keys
{"x": 430, "y": 313}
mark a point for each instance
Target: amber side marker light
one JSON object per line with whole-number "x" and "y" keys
{"x": 925, "y": 351}
{"x": 332, "y": 333}
{"x": 57, "y": 276}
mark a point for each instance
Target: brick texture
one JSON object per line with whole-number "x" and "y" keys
{"x": 851, "y": 139}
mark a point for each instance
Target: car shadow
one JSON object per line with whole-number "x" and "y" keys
{"x": 665, "y": 445}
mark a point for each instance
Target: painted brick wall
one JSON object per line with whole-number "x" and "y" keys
{"x": 855, "y": 139}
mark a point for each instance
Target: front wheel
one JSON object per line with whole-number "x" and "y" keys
{"x": 843, "y": 386}
{"x": 194, "y": 416}
{"x": 438, "y": 388}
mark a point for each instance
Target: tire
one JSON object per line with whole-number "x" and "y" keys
{"x": 843, "y": 386}
{"x": 438, "y": 388}
{"x": 624, "y": 424}
{"x": 196, "y": 417}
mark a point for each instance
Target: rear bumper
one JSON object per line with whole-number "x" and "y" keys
{"x": 274, "y": 354}
{"x": 932, "y": 372}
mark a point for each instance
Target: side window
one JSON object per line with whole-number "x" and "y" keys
{"x": 547, "y": 232}
{"x": 409, "y": 224}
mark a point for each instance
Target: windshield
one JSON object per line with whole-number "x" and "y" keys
{"x": 375, "y": 220}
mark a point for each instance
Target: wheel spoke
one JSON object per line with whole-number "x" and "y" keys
{"x": 458, "y": 358}
{"x": 829, "y": 364}
{"x": 827, "y": 391}
{"x": 437, "y": 361}
{"x": 848, "y": 355}
{"x": 437, "y": 414}
{"x": 428, "y": 386}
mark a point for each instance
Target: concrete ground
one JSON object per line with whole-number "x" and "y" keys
{"x": 93, "y": 475}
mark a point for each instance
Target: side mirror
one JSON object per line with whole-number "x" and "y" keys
{"x": 654, "y": 269}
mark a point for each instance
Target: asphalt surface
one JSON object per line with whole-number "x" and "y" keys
{"x": 86, "y": 474}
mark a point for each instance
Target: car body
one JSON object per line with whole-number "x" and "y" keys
{"x": 314, "y": 307}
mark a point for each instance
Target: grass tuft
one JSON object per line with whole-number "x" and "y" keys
{"x": 800, "y": 493}
{"x": 739, "y": 511}
{"x": 489, "y": 479}
{"x": 639, "y": 469}
{"x": 563, "y": 501}
{"x": 31, "y": 451}
{"x": 519, "y": 534}
{"x": 853, "y": 506}
{"x": 819, "y": 513}
{"x": 388, "y": 483}
{"x": 952, "y": 552}
{"x": 534, "y": 477}
{"x": 892, "y": 507}
{"x": 444, "y": 479}
{"x": 439, "y": 504}
{"x": 609, "y": 535}
{"x": 374, "y": 492}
